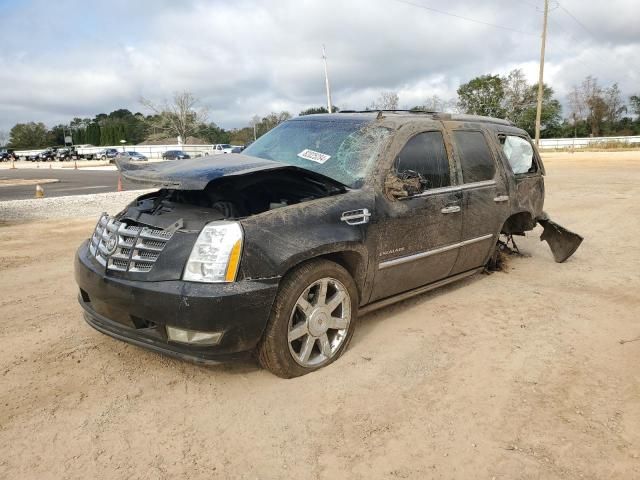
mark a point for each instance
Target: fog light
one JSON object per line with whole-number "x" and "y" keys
{"x": 193, "y": 337}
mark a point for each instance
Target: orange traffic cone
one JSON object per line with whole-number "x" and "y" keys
{"x": 39, "y": 191}
{"x": 119, "y": 183}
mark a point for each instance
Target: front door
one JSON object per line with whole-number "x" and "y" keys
{"x": 485, "y": 201}
{"x": 421, "y": 225}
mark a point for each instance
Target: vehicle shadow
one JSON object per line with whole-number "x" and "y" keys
{"x": 368, "y": 322}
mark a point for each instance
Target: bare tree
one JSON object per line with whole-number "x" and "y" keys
{"x": 435, "y": 103}
{"x": 596, "y": 107}
{"x": 518, "y": 97}
{"x": 179, "y": 117}
{"x": 4, "y": 138}
{"x": 387, "y": 100}
{"x": 578, "y": 108}
{"x": 615, "y": 105}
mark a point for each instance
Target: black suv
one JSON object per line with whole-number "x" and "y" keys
{"x": 65, "y": 153}
{"x": 47, "y": 155}
{"x": 278, "y": 250}
{"x": 7, "y": 155}
{"x": 175, "y": 155}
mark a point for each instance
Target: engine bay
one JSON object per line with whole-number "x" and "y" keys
{"x": 227, "y": 198}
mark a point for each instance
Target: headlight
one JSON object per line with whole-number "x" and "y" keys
{"x": 216, "y": 255}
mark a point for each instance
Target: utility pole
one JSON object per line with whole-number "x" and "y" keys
{"x": 541, "y": 74}
{"x": 326, "y": 80}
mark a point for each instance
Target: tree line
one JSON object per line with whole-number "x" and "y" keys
{"x": 593, "y": 110}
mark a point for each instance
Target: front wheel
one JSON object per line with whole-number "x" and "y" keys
{"x": 312, "y": 320}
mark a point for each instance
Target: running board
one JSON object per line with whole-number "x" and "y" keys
{"x": 412, "y": 293}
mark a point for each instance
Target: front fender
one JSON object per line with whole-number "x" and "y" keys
{"x": 280, "y": 239}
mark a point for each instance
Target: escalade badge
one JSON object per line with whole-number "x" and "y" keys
{"x": 111, "y": 243}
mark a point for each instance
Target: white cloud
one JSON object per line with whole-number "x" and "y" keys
{"x": 250, "y": 57}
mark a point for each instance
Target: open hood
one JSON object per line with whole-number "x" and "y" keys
{"x": 196, "y": 173}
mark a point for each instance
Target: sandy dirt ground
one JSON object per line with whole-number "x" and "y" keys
{"x": 515, "y": 375}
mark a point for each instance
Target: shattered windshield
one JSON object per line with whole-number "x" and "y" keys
{"x": 343, "y": 150}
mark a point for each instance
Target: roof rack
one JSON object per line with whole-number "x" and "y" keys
{"x": 393, "y": 110}
{"x": 462, "y": 117}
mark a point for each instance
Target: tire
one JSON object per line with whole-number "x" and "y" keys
{"x": 304, "y": 285}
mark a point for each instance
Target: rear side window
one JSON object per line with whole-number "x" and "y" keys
{"x": 425, "y": 156}
{"x": 519, "y": 153}
{"x": 475, "y": 157}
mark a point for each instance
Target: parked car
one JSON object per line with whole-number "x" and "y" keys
{"x": 7, "y": 155}
{"x": 107, "y": 154}
{"x": 65, "y": 153}
{"x": 137, "y": 156}
{"x": 47, "y": 155}
{"x": 33, "y": 157}
{"x": 222, "y": 148}
{"x": 237, "y": 149}
{"x": 175, "y": 155}
{"x": 278, "y": 250}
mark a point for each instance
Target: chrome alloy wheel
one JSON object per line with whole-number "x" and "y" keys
{"x": 319, "y": 322}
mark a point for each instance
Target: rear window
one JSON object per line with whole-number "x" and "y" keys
{"x": 475, "y": 156}
{"x": 519, "y": 153}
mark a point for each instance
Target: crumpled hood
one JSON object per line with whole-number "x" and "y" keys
{"x": 196, "y": 173}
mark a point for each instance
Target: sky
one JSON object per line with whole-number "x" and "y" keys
{"x": 64, "y": 59}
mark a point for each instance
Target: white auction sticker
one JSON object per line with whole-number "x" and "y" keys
{"x": 314, "y": 156}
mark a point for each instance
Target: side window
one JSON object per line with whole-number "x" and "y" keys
{"x": 423, "y": 161}
{"x": 475, "y": 157}
{"x": 519, "y": 153}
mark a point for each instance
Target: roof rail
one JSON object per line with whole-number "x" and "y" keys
{"x": 462, "y": 117}
{"x": 392, "y": 110}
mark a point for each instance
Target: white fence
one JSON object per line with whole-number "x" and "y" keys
{"x": 593, "y": 142}
{"x": 150, "y": 151}
{"x": 156, "y": 151}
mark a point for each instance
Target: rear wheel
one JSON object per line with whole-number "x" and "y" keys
{"x": 312, "y": 321}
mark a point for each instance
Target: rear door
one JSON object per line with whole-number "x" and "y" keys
{"x": 485, "y": 203}
{"x": 417, "y": 234}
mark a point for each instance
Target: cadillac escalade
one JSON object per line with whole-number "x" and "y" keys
{"x": 277, "y": 250}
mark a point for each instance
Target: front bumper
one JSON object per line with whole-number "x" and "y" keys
{"x": 137, "y": 311}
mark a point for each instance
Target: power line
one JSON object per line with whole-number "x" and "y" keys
{"x": 577, "y": 21}
{"x": 537, "y": 7}
{"x": 589, "y": 65}
{"x": 481, "y": 22}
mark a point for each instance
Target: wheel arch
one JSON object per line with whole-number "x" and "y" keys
{"x": 352, "y": 259}
{"x": 518, "y": 222}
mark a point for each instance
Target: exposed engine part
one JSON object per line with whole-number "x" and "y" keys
{"x": 226, "y": 198}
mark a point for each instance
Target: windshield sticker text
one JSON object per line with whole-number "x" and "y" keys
{"x": 314, "y": 156}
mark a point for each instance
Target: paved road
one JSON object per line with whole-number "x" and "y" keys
{"x": 72, "y": 182}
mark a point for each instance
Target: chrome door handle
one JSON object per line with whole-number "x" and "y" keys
{"x": 356, "y": 217}
{"x": 501, "y": 198}
{"x": 451, "y": 209}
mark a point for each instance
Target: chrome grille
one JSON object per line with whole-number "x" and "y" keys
{"x": 136, "y": 248}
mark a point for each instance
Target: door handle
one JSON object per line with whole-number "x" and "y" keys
{"x": 450, "y": 209}
{"x": 501, "y": 198}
